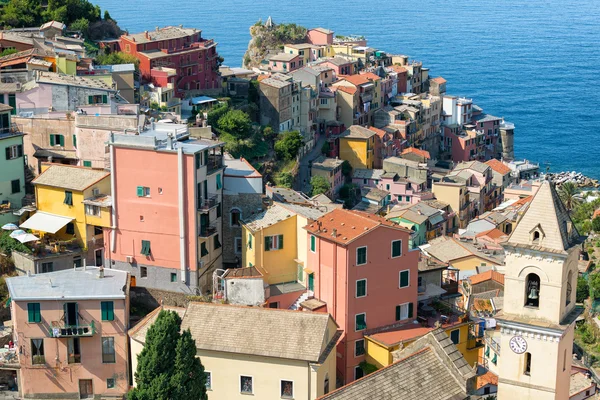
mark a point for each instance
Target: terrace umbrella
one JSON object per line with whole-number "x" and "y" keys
{"x": 10, "y": 227}
{"x": 16, "y": 233}
{"x": 28, "y": 237}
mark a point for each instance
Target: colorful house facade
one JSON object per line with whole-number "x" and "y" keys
{"x": 12, "y": 165}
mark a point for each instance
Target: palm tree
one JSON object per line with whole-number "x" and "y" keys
{"x": 569, "y": 194}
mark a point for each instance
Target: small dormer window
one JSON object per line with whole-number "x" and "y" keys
{"x": 537, "y": 235}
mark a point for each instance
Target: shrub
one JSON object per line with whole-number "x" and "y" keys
{"x": 583, "y": 290}
{"x": 319, "y": 185}
{"x": 288, "y": 145}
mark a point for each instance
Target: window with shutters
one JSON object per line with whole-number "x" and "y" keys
{"x": 273, "y": 242}
{"x": 92, "y": 210}
{"x": 68, "y": 198}
{"x": 361, "y": 288}
{"x": 108, "y": 350}
{"x": 143, "y": 191}
{"x": 313, "y": 243}
{"x": 250, "y": 241}
{"x": 57, "y": 140}
{"x": 87, "y": 163}
{"x": 98, "y": 99}
{"x": 143, "y": 272}
{"x": 455, "y": 336}
{"x": 108, "y": 311}
{"x": 404, "y": 311}
{"x": 14, "y": 151}
{"x": 219, "y": 183}
{"x": 15, "y": 186}
{"x": 359, "y": 348}
{"x": 404, "y": 278}
{"x": 145, "y": 248}
{"x": 235, "y": 217}
{"x": 47, "y": 267}
{"x": 74, "y": 141}
{"x": 217, "y": 242}
{"x": 33, "y": 312}
{"x": 360, "y": 322}
{"x": 173, "y": 277}
{"x": 396, "y": 248}
{"x": 361, "y": 255}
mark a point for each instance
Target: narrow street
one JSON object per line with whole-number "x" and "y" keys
{"x": 303, "y": 181}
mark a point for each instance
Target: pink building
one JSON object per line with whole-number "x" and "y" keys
{"x": 342, "y": 65}
{"x": 405, "y": 190}
{"x": 363, "y": 270}
{"x": 167, "y": 195}
{"x": 320, "y": 36}
{"x": 284, "y": 62}
{"x": 70, "y": 329}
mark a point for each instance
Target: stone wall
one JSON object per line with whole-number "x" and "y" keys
{"x": 247, "y": 203}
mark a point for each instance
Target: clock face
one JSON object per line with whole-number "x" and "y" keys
{"x": 518, "y": 344}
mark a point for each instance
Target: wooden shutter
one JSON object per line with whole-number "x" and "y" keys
{"x": 104, "y": 99}
{"x": 90, "y": 99}
{"x": 7, "y": 150}
{"x": 280, "y": 239}
{"x": 74, "y": 141}
{"x": 20, "y": 150}
{"x": 267, "y": 243}
{"x": 52, "y": 143}
{"x": 398, "y": 312}
{"x": 404, "y": 278}
{"x": 249, "y": 241}
{"x": 62, "y": 140}
{"x": 140, "y": 191}
{"x": 410, "y": 310}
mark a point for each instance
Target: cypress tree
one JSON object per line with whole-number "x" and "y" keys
{"x": 189, "y": 380}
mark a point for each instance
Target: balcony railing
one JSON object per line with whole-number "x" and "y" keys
{"x": 208, "y": 203}
{"x": 73, "y": 330}
{"x": 450, "y": 286}
{"x": 207, "y": 230}
{"x": 214, "y": 162}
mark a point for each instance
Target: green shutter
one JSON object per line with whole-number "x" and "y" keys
{"x": 140, "y": 191}
{"x": 68, "y": 198}
{"x": 398, "y": 311}
{"x": 217, "y": 242}
{"x": 74, "y": 141}
{"x": 360, "y": 322}
{"x": 62, "y": 140}
{"x": 108, "y": 311}
{"x": 52, "y": 140}
{"x": 268, "y": 243}
{"x": 495, "y": 359}
{"x": 104, "y": 99}
{"x": 396, "y": 248}
{"x": 313, "y": 244}
{"x": 410, "y": 310}
{"x": 361, "y": 257}
{"x": 197, "y": 159}
{"x": 404, "y": 278}
{"x": 361, "y": 288}
{"x": 33, "y": 311}
{"x": 146, "y": 248}
{"x": 87, "y": 163}
{"x": 90, "y": 99}
{"x": 249, "y": 241}
{"x": 280, "y": 242}
{"x": 487, "y": 352}
{"x": 219, "y": 181}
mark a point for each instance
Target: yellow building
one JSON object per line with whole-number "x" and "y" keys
{"x": 259, "y": 352}
{"x": 379, "y": 346}
{"x": 274, "y": 241}
{"x": 462, "y": 256}
{"x": 66, "y": 64}
{"x": 357, "y": 146}
{"x": 457, "y": 196}
{"x": 73, "y": 205}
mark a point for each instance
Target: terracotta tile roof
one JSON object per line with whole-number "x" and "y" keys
{"x": 498, "y": 166}
{"x": 70, "y": 177}
{"x": 422, "y": 153}
{"x": 248, "y": 272}
{"x": 262, "y": 77}
{"x": 349, "y": 225}
{"x": 439, "y": 80}
{"x": 403, "y": 334}
{"x": 379, "y": 132}
{"x": 486, "y": 276}
{"x": 360, "y": 79}
{"x": 346, "y": 89}
{"x": 487, "y": 379}
{"x": 397, "y": 68}
{"x": 138, "y": 332}
{"x": 522, "y": 201}
{"x": 494, "y": 233}
{"x": 596, "y": 213}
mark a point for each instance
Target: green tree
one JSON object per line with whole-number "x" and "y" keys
{"x": 284, "y": 179}
{"x": 82, "y": 25}
{"x": 215, "y": 114}
{"x": 583, "y": 290}
{"x": 325, "y": 148}
{"x": 189, "y": 379}
{"x": 568, "y": 194}
{"x": 269, "y": 134}
{"x": 162, "y": 361}
{"x": 107, "y": 16}
{"x": 594, "y": 284}
{"x": 117, "y": 58}
{"x": 318, "y": 185}
{"x": 236, "y": 123}
{"x": 288, "y": 145}
{"x": 596, "y": 224}
{"x": 21, "y": 13}
{"x": 346, "y": 169}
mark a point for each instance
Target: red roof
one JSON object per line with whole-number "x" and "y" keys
{"x": 439, "y": 80}
{"x": 348, "y": 225}
{"x": 494, "y": 233}
{"x": 498, "y": 166}
{"x": 399, "y": 69}
{"x": 596, "y": 213}
{"x": 346, "y": 89}
{"x": 487, "y": 379}
{"x": 419, "y": 152}
{"x": 486, "y": 276}
{"x": 379, "y": 132}
{"x": 361, "y": 79}
{"x": 523, "y": 201}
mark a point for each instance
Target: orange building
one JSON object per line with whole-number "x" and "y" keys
{"x": 361, "y": 267}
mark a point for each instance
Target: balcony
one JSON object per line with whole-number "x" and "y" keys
{"x": 68, "y": 331}
{"x": 207, "y": 230}
{"x": 440, "y": 313}
{"x": 206, "y": 204}
{"x": 214, "y": 162}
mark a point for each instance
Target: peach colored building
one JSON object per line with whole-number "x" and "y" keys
{"x": 167, "y": 204}
{"x": 70, "y": 328}
{"x": 320, "y": 36}
{"x": 361, "y": 267}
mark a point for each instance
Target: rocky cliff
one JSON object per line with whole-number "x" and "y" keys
{"x": 269, "y": 38}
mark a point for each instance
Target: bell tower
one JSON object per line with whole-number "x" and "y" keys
{"x": 538, "y": 320}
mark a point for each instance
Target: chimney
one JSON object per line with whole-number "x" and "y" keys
{"x": 146, "y": 34}
{"x": 334, "y": 232}
{"x": 101, "y": 273}
{"x": 170, "y": 141}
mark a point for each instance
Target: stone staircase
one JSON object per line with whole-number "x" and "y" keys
{"x": 309, "y": 294}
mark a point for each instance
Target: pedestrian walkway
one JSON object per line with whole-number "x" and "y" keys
{"x": 303, "y": 181}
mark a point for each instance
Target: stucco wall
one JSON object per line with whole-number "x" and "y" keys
{"x": 27, "y": 262}
{"x": 245, "y": 291}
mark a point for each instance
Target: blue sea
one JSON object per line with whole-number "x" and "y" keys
{"x": 535, "y": 63}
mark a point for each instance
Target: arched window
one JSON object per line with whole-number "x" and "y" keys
{"x": 532, "y": 291}
{"x": 527, "y": 364}
{"x": 235, "y": 217}
{"x": 569, "y": 288}
{"x": 536, "y": 236}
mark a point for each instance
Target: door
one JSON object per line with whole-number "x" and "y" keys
{"x": 85, "y": 389}
{"x": 98, "y": 258}
{"x": 71, "y": 314}
{"x": 311, "y": 282}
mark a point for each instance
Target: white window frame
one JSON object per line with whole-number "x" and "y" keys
{"x": 356, "y": 315}
{"x": 400, "y": 279}
{"x": 392, "y": 248}
{"x": 280, "y": 382}
{"x": 14, "y": 151}
{"x": 235, "y": 245}
{"x": 356, "y": 288}
{"x": 211, "y": 381}
{"x": 366, "y": 255}
{"x": 90, "y": 210}
{"x": 401, "y": 308}
{"x": 274, "y": 242}
{"x": 240, "y": 383}
{"x": 312, "y": 237}
{"x": 356, "y": 341}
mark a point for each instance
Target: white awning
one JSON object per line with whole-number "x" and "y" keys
{"x": 46, "y": 222}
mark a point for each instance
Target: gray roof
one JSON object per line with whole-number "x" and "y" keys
{"x": 474, "y": 165}
{"x": 257, "y": 331}
{"x": 337, "y": 61}
{"x": 239, "y": 167}
{"x": 360, "y": 173}
{"x": 72, "y": 80}
{"x": 5, "y": 107}
{"x": 485, "y": 118}
{"x": 272, "y": 215}
{"x": 138, "y": 332}
{"x": 168, "y": 32}
{"x": 275, "y": 82}
{"x": 70, "y": 177}
{"x": 430, "y": 368}
{"x": 326, "y": 163}
{"x": 357, "y": 132}
{"x": 446, "y": 249}
{"x": 372, "y": 193}
{"x": 286, "y": 195}
{"x": 367, "y": 207}
{"x": 548, "y": 214}
{"x": 305, "y": 211}
{"x": 69, "y": 284}
{"x": 283, "y": 57}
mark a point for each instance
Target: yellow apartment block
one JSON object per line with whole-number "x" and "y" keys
{"x": 357, "y": 147}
